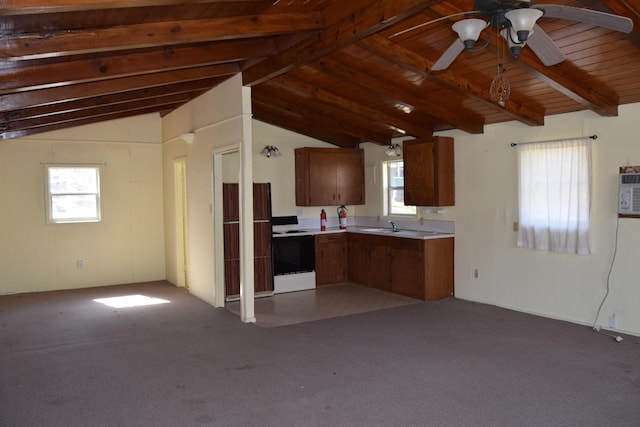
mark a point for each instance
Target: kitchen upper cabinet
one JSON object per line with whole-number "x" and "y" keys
{"x": 429, "y": 172}
{"x": 329, "y": 176}
{"x": 331, "y": 258}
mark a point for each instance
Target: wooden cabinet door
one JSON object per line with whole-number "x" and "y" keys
{"x": 407, "y": 267}
{"x": 331, "y": 259}
{"x": 429, "y": 172}
{"x": 439, "y": 259}
{"x": 357, "y": 258}
{"x": 329, "y": 176}
{"x": 322, "y": 178}
{"x": 378, "y": 268}
{"x": 350, "y": 178}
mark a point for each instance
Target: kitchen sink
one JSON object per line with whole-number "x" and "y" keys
{"x": 401, "y": 233}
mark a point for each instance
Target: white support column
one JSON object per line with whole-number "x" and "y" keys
{"x": 247, "y": 312}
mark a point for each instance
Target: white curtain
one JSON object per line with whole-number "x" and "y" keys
{"x": 555, "y": 195}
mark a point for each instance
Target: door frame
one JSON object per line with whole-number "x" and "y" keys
{"x": 182, "y": 224}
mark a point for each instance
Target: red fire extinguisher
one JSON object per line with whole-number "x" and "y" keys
{"x": 342, "y": 217}
{"x": 323, "y": 220}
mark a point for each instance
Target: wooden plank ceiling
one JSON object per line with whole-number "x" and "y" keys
{"x": 340, "y": 71}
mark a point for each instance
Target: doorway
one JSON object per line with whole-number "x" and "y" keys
{"x": 180, "y": 182}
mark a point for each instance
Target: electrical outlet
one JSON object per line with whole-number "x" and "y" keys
{"x": 80, "y": 264}
{"x": 516, "y": 226}
{"x": 612, "y": 321}
{"x": 475, "y": 273}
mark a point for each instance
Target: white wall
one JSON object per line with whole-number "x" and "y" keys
{"x": 569, "y": 287}
{"x": 280, "y": 171}
{"x": 218, "y": 120}
{"x": 126, "y": 247}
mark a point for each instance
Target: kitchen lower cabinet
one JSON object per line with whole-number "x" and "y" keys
{"x": 368, "y": 260}
{"x": 406, "y": 272}
{"x": 331, "y": 258}
{"x": 415, "y": 268}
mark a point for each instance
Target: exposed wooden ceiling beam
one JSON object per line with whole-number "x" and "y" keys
{"x": 313, "y": 112}
{"x": 114, "y": 65}
{"x": 82, "y": 121}
{"x": 375, "y": 16}
{"x": 523, "y": 110}
{"x": 133, "y": 105}
{"x": 465, "y": 120}
{"x": 59, "y": 43}
{"x": 18, "y": 100}
{"x": 191, "y": 88}
{"x": 345, "y": 104}
{"x": 565, "y": 78}
{"x": 262, "y": 111}
{"x": 25, "y": 7}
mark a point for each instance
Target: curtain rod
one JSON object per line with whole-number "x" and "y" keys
{"x": 515, "y": 144}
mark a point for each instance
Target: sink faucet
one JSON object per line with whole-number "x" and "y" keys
{"x": 394, "y": 226}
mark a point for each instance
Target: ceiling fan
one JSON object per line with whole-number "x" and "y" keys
{"x": 516, "y": 22}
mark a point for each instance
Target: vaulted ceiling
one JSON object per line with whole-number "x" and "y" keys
{"x": 340, "y": 71}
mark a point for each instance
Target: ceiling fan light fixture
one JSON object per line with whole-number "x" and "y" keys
{"x": 515, "y": 47}
{"x": 523, "y": 21}
{"x": 469, "y": 31}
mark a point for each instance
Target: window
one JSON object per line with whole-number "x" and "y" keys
{"x": 394, "y": 189}
{"x": 555, "y": 195}
{"x": 73, "y": 193}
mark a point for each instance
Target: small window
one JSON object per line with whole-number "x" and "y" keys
{"x": 73, "y": 194}
{"x": 394, "y": 189}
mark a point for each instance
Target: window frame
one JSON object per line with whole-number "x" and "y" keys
{"x": 50, "y": 195}
{"x": 386, "y": 191}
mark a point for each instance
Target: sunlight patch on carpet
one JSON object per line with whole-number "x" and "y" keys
{"x": 126, "y": 301}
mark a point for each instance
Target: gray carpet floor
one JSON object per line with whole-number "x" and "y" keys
{"x": 68, "y": 361}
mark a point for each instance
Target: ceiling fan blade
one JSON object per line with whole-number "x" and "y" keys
{"x": 449, "y": 55}
{"x": 542, "y": 45}
{"x": 587, "y": 16}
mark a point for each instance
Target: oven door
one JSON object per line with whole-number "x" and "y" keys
{"x": 293, "y": 254}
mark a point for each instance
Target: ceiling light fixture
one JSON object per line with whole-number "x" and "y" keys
{"x": 270, "y": 151}
{"x": 394, "y": 150}
{"x": 469, "y": 31}
{"x": 515, "y": 46}
{"x": 523, "y": 21}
